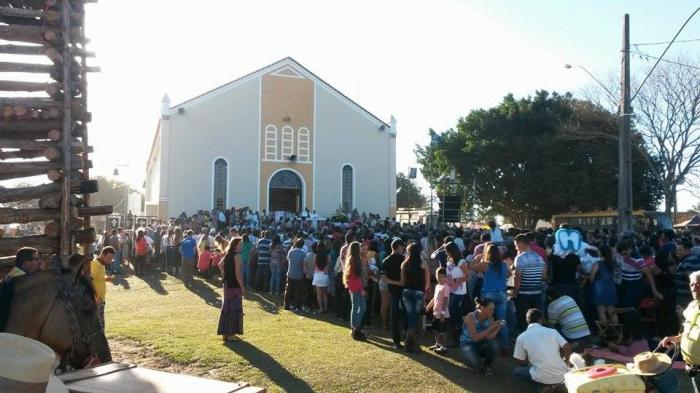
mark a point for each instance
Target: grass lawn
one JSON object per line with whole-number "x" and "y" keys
{"x": 280, "y": 350}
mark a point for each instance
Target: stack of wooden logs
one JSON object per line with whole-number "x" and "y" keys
{"x": 43, "y": 125}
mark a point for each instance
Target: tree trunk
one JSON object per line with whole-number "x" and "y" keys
{"x": 44, "y": 244}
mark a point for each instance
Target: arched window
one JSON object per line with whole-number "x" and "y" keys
{"x": 270, "y": 142}
{"x": 220, "y": 183}
{"x": 287, "y": 142}
{"x": 347, "y": 188}
{"x": 303, "y": 144}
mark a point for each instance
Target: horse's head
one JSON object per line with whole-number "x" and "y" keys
{"x": 93, "y": 343}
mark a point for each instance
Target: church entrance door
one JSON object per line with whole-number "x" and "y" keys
{"x": 285, "y": 192}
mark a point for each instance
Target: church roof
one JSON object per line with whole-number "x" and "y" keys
{"x": 287, "y": 60}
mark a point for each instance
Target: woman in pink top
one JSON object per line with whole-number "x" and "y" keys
{"x": 441, "y": 313}
{"x": 204, "y": 260}
{"x": 352, "y": 278}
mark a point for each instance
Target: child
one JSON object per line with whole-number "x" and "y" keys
{"x": 441, "y": 312}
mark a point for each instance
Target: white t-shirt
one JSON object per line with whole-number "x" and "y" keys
{"x": 460, "y": 243}
{"x": 456, "y": 272}
{"x": 540, "y": 346}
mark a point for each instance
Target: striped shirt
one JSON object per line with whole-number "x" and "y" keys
{"x": 632, "y": 269}
{"x": 566, "y": 312}
{"x": 530, "y": 266}
{"x": 681, "y": 281}
{"x": 263, "y": 247}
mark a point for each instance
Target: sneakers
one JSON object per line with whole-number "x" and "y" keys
{"x": 357, "y": 335}
{"x": 440, "y": 350}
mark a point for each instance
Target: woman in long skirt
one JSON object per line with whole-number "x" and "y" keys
{"x": 231, "y": 319}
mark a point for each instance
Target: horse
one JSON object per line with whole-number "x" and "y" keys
{"x": 57, "y": 307}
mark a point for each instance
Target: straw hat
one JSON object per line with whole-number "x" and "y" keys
{"x": 27, "y": 365}
{"x": 650, "y": 363}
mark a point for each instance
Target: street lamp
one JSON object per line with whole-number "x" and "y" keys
{"x": 610, "y": 94}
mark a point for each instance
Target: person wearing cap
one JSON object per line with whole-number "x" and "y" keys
{"x": 27, "y": 365}
{"x": 689, "y": 339}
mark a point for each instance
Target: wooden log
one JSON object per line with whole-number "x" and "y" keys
{"x": 44, "y": 244}
{"x": 52, "y": 154}
{"x": 30, "y": 34}
{"x": 25, "y": 67}
{"x": 10, "y": 215}
{"x": 23, "y": 154}
{"x": 23, "y": 12}
{"x": 54, "y": 175}
{"x": 27, "y": 193}
{"x": 53, "y": 201}
{"x": 12, "y": 170}
{"x": 38, "y": 125}
{"x": 22, "y": 86}
{"x": 25, "y": 144}
{"x": 94, "y": 211}
{"x": 52, "y": 229}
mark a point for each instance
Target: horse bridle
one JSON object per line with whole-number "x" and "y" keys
{"x": 67, "y": 294}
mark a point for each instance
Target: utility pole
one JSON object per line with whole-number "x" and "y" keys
{"x": 624, "y": 188}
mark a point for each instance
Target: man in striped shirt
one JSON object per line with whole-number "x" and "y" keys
{"x": 530, "y": 274}
{"x": 563, "y": 310}
{"x": 262, "y": 250}
{"x": 687, "y": 264}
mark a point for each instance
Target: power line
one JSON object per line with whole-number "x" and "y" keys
{"x": 647, "y": 57}
{"x": 664, "y": 52}
{"x": 665, "y": 42}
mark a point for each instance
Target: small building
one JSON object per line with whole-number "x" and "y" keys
{"x": 279, "y": 139}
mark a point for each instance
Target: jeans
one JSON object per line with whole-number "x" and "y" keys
{"x": 523, "y": 373}
{"x": 262, "y": 276}
{"x": 523, "y": 303}
{"x": 666, "y": 382}
{"x": 455, "y": 307}
{"x": 358, "y": 309}
{"x": 275, "y": 272}
{"x": 244, "y": 271}
{"x": 473, "y": 353}
{"x": 294, "y": 293}
{"x": 413, "y": 304}
{"x": 395, "y": 316}
{"x": 501, "y": 303}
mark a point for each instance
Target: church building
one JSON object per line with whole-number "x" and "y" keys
{"x": 279, "y": 139}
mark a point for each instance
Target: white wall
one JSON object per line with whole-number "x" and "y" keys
{"x": 346, "y": 135}
{"x": 224, "y": 125}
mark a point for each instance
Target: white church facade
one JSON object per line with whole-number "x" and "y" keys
{"x": 278, "y": 139}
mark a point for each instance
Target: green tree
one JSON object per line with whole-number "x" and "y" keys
{"x": 112, "y": 193}
{"x": 408, "y": 193}
{"x": 519, "y": 160}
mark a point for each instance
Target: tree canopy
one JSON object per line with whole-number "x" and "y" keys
{"x": 408, "y": 193}
{"x": 522, "y": 159}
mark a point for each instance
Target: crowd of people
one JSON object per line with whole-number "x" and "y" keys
{"x": 484, "y": 292}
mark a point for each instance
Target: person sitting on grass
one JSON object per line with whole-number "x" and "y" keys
{"x": 441, "y": 313}
{"x": 477, "y": 341}
{"x": 539, "y": 350}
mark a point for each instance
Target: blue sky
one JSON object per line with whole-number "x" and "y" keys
{"x": 427, "y": 63}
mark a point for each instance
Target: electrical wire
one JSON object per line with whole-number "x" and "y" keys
{"x": 647, "y": 57}
{"x": 665, "y": 42}
{"x": 665, "y": 50}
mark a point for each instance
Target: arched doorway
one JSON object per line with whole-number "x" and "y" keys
{"x": 285, "y": 192}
